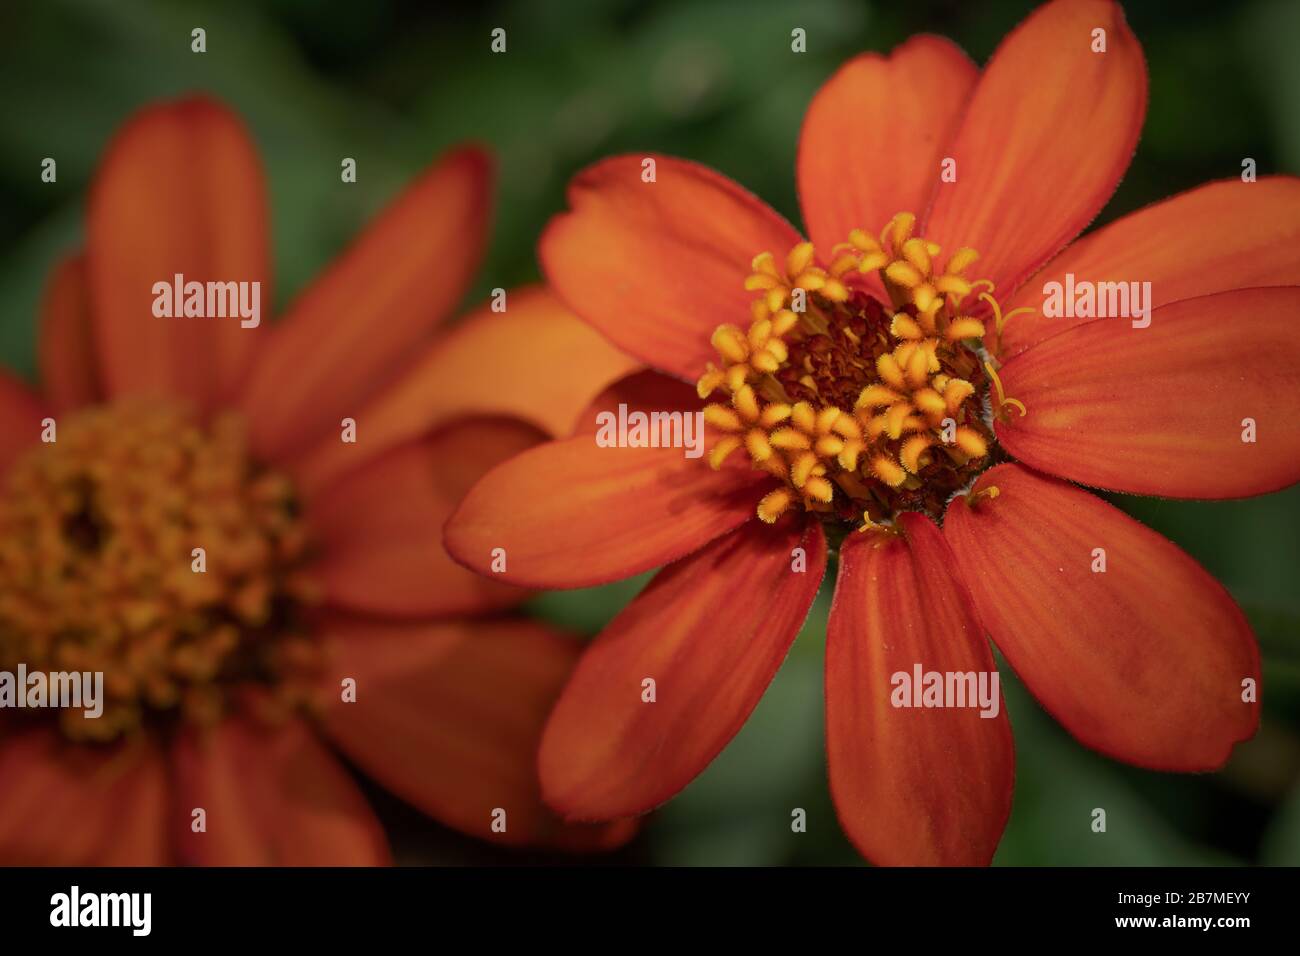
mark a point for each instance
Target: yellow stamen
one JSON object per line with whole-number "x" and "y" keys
{"x": 965, "y": 328}
{"x": 930, "y": 402}
{"x": 956, "y": 391}
{"x": 1000, "y": 320}
{"x": 789, "y": 439}
{"x": 98, "y": 570}
{"x": 731, "y": 343}
{"x": 903, "y": 326}
{"x": 890, "y": 372}
{"x": 803, "y": 416}
{"x": 971, "y": 442}
{"x": 802, "y": 468}
{"x": 787, "y": 378}
{"x": 725, "y": 446}
{"x": 710, "y": 381}
{"x": 911, "y": 452}
{"x": 877, "y": 396}
{"x": 758, "y": 446}
{"x": 888, "y": 471}
{"x": 825, "y": 419}
{"x": 746, "y": 403}
{"x": 819, "y": 489}
{"x": 1003, "y": 400}
{"x": 774, "y": 504}
{"x": 903, "y": 273}
{"x": 722, "y": 417}
{"x": 846, "y": 426}
{"x": 984, "y": 494}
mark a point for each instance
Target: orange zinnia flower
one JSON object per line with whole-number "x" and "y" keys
{"x": 887, "y": 391}
{"x": 225, "y": 689}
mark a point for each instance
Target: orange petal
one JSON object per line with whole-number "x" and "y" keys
{"x": 66, "y": 350}
{"x": 1144, "y": 661}
{"x": 536, "y": 361}
{"x": 1185, "y": 246}
{"x": 20, "y": 419}
{"x": 379, "y": 528}
{"x": 656, "y": 267}
{"x": 1049, "y": 132}
{"x": 913, "y": 786}
{"x": 448, "y": 717}
{"x": 874, "y": 134}
{"x": 1160, "y": 410}
{"x": 357, "y": 324}
{"x": 65, "y": 804}
{"x": 273, "y": 797}
{"x": 571, "y": 514}
{"x": 711, "y": 632}
{"x": 179, "y": 191}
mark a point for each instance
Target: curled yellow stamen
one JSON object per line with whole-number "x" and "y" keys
{"x": 984, "y": 494}
{"x": 1003, "y": 400}
{"x": 868, "y": 524}
{"x": 1000, "y": 320}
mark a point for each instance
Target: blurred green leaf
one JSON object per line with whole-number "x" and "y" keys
{"x": 586, "y": 610}
{"x": 1058, "y": 785}
{"x": 738, "y": 811}
{"x": 1281, "y": 844}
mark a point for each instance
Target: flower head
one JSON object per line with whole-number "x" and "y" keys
{"x": 888, "y": 388}
{"x": 239, "y": 525}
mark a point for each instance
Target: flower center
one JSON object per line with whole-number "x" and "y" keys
{"x": 100, "y": 568}
{"x": 863, "y": 409}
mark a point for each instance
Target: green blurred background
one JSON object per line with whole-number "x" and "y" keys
{"x": 393, "y": 83}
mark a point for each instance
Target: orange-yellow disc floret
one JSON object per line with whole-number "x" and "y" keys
{"x": 919, "y": 424}
{"x": 99, "y": 531}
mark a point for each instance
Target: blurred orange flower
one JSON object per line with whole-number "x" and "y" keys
{"x": 327, "y": 616}
{"x": 875, "y": 397}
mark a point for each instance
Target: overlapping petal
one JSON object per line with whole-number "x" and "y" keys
{"x": 710, "y": 632}
{"x": 1050, "y": 129}
{"x": 1125, "y": 639}
{"x": 1181, "y": 246}
{"x": 1166, "y": 409}
{"x": 535, "y": 361}
{"x": 65, "y": 804}
{"x": 572, "y": 513}
{"x": 874, "y": 135}
{"x": 912, "y": 785}
{"x": 21, "y": 413}
{"x": 358, "y": 323}
{"x": 657, "y": 266}
{"x": 66, "y": 353}
{"x": 271, "y": 796}
{"x": 380, "y": 528}
{"x": 179, "y": 192}
{"x": 448, "y": 717}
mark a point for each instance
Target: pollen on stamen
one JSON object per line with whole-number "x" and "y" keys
{"x": 859, "y": 407}
{"x": 97, "y": 532}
